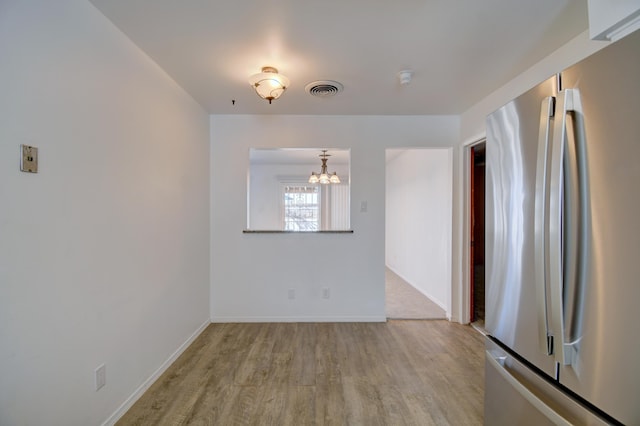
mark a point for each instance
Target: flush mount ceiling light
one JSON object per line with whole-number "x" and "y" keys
{"x": 323, "y": 177}
{"x": 269, "y": 84}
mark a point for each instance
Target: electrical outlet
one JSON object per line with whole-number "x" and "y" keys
{"x": 292, "y": 293}
{"x": 29, "y": 159}
{"x": 100, "y": 376}
{"x": 326, "y": 293}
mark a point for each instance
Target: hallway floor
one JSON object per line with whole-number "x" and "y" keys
{"x": 403, "y": 301}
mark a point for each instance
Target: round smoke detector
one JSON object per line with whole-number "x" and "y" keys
{"x": 323, "y": 88}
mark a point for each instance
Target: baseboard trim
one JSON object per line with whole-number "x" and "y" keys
{"x": 223, "y": 319}
{"x": 113, "y": 418}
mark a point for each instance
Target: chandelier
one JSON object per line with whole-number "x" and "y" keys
{"x": 323, "y": 177}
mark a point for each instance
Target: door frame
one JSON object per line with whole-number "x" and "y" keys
{"x": 466, "y": 233}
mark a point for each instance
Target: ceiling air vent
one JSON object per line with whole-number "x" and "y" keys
{"x": 323, "y": 88}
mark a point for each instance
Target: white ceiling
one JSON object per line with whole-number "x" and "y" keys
{"x": 459, "y": 50}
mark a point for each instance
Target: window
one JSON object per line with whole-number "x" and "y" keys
{"x": 301, "y": 208}
{"x": 315, "y": 207}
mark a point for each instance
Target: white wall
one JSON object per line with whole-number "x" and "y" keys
{"x": 418, "y": 220}
{"x": 104, "y": 254}
{"x": 251, "y": 273}
{"x": 264, "y": 190}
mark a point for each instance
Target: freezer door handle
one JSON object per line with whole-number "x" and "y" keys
{"x": 545, "y": 340}
{"x": 498, "y": 363}
{"x": 568, "y": 226}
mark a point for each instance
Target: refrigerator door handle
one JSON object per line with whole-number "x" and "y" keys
{"x": 532, "y": 398}
{"x": 545, "y": 340}
{"x": 568, "y": 227}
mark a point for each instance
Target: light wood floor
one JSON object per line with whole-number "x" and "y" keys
{"x": 394, "y": 373}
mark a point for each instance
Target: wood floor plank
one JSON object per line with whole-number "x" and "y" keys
{"x": 395, "y": 373}
{"x": 253, "y": 367}
{"x": 272, "y": 407}
{"x": 300, "y": 408}
{"x": 328, "y": 370}
{"x": 363, "y": 401}
{"x": 330, "y": 405}
{"x": 303, "y": 366}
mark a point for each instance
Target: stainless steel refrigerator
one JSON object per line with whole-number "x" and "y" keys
{"x": 563, "y": 247}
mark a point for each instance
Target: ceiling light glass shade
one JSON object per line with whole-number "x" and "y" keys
{"x": 269, "y": 84}
{"x": 334, "y": 178}
{"x": 314, "y": 178}
{"x": 324, "y": 179}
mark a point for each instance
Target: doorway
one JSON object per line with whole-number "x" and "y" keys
{"x": 477, "y": 175}
{"x": 418, "y": 229}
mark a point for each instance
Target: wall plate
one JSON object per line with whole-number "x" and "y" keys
{"x": 29, "y": 159}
